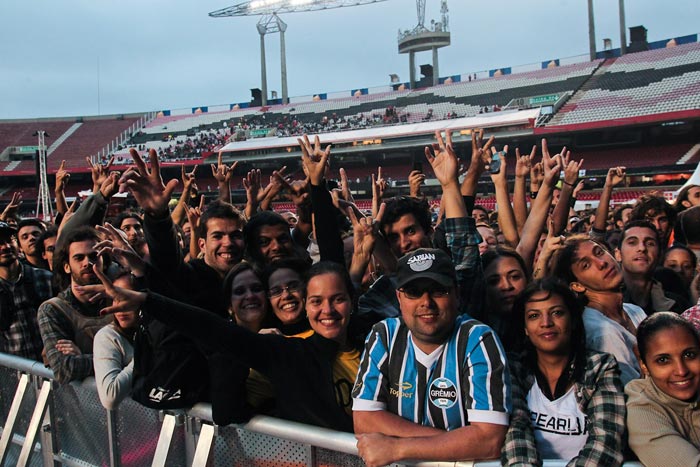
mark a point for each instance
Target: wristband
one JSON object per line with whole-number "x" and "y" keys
{"x": 533, "y": 194}
{"x": 567, "y": 183}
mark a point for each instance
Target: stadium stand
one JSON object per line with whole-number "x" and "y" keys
{"x": 636, "y": 85}
{"x": 439, "y": 102}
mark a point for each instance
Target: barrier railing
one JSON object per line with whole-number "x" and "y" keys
{"x": 46, "y": 424}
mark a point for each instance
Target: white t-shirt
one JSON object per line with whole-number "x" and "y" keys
{"x": 559, "y": 426}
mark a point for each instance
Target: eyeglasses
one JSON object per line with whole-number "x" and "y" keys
{"x": 416, "y": 292}
{"x": 241, "y": 291}
{"x": 291, "y": 287}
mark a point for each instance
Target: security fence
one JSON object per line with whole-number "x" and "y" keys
{"x": 46, "y": 424}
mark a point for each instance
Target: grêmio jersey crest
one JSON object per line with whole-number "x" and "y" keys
{"x": 463, "y": 381}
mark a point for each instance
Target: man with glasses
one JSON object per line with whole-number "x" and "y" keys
{"x": 432, "y": 384}
{"x": 22, "y": 289}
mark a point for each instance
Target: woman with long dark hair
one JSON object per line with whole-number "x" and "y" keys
{"x": 567, "y": 401}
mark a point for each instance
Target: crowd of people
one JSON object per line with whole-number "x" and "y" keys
{"x": 535, "y": 332}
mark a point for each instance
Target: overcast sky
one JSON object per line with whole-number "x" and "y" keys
{"x": 168, "y": 54}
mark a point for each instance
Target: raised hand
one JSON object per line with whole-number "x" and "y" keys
{"x": 110, "y": 185}
{"x": 443, "y": 159}
{"x": 365, "y": 231}
{"x": 481, "y": 155}
{"x": 415, "y": 179}
{"x": 500, "y": 176}
{"x": 523, "y": 164}
{"x": 314, "y": 158}
{"x": 62, "y": 177}
{"x": 122, "y": 299}
{"x": 188, "y": 179}
{"x": 378, "y": 188}
{"x": 345, "y": 186}
{"x": 146, "y": 184}
{"x": 551, "y": 165}
{"x": 571, "y": 168}
{"x": 12, "y": 207}
{"x": 116, "y": 245}
{"x": 615, "y": 176}
{"x": 194, "y": 214}
{"x": 222, "y": 172}
{"x": 99, "y": 172}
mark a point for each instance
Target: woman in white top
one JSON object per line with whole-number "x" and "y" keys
{"x": 596, "y": 277}
{"x": 113, "y": 353}
{"x": 567, "y": 401}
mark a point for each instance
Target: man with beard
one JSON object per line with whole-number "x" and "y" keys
{"x": 28, "y": 233}
{"x": 22, "y": 289}
{"x": 68, "y": 323}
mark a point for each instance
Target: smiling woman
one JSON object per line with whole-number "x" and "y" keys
{"x": 312, "y": 377}
{"x": 663, "y": 415}
{"x": 567, "y": 400}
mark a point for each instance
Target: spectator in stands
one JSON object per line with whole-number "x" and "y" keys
{"x": 28, "y": 233}
{"x": 688, "y": 197}
{"x": 594, "y": 275}
{"x": 639, "y": 253}
{"x": 22, "y": 289}
{"x": 656, "y": 210}
{"x": 567, "y": 400}
{"x": 662, "y": 409}
{"x": 113, "y": 352}
{"x": 47, "y": 245}
{"x": 69, "y": 322}
{"x": 457, "y": 417}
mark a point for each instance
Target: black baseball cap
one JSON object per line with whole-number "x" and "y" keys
{"x": 426, "y": 263}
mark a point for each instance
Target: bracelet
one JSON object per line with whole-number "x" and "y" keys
{"x": 533, "y": 194}
{"x": 567, "y": 183}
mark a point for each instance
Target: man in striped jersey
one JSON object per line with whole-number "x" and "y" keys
{"x": 432, "y": 384}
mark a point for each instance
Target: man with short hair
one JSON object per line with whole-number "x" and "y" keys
{"x": 638, "y": 253}
{"x": 69, "y": 322}
{"x": 406, "y": 224}
{"x": 268, "y": 239}
{"x": 433, "y": 384}
{"x": 47, "y": 245}
{"x": 22, "y": 289}
{"x": 198, "y": 281}
{"x": 28, "y": 232}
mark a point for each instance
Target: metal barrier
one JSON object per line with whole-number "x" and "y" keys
{"x": 46, "y": 424}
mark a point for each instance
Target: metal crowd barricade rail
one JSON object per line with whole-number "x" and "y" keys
{"x": 46, "y": 424}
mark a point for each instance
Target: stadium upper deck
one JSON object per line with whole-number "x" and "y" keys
{"x": 654, "y": 86}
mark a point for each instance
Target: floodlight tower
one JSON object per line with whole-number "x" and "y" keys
{"x": 422, "y": 38}
{"x": 271, "y": 23}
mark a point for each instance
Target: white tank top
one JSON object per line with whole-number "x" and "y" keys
{"x": 559, "y": 425}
